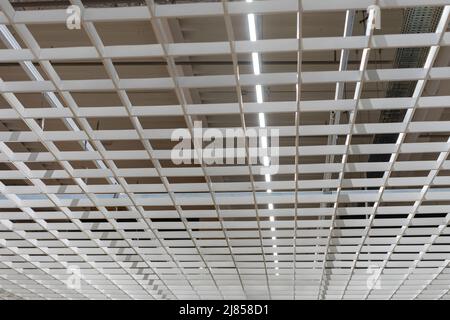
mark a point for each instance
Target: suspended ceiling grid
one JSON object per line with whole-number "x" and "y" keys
{"x": 87, "y": 181}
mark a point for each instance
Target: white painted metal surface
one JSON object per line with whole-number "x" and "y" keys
{"x": 215, "y": 231}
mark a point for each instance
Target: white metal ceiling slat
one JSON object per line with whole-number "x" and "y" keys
{"x": 315, "y": 77}
{"x": 215, "y": 48}
{"x": 225, "y": 170}
{"x": 232, "y": 108}
{"x": 357, "y": 149}
{"x": 285, "y": 131}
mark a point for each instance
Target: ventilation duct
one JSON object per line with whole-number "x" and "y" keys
{"x": 416, "y": 20}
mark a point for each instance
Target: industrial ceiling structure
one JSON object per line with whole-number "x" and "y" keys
{"x": 93, "y": 206}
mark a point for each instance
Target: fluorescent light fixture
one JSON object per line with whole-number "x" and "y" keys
{"x": 274, "y": 238}
{"x": 269, "y": 190}
{"x": 272, "y": 229}
{"x": 275, "y": 253}
{"x": 271, "y": 207}
{"x": 52, "y": 99}
{"x": 262, "y": 124}
{"x": 274, "y": 246}
{"x": 259, "y": 94}
{"x": 263, "y": 138}
{"x": 276, "y": 261}
{"x": 277, "y": 274}
{"x": 252, "y": 26}
{"x": 255, "y": 60}
{"x": 272, "y": 218}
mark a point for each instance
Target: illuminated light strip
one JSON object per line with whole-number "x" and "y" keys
{"x": 261, "y": 116}
{"x": 252, "y": 25}
{"x": 255, "y": 60}
{"x": 259, "y": 94}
